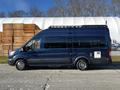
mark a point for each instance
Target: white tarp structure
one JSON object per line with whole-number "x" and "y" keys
{"x": 44, "y": 22}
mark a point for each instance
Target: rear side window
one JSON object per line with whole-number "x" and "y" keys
{"x": 88, "y": 42}
{"x": 56, "y": 45}
{"x": 55, "y": 42}
{"x": 75, "y": 42}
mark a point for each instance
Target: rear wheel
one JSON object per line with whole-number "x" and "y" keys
{"x": 20, "y": 65}
{"x": 82, "y": 64}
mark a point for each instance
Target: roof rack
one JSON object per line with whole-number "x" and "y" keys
{"x": 94, "y": 26}
{"x": 83, "y": 26}
{"x": 65, "y": 26}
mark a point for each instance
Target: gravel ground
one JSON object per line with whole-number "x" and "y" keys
{"x": 97, "y": 78}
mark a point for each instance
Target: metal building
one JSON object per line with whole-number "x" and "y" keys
{"x": 44, "y": 22}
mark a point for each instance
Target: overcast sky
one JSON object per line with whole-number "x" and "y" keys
{"x": 10, "y": 5}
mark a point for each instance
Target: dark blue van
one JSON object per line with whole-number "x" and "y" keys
{"x": 79, "y": 46}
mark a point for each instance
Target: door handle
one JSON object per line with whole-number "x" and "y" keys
{"x": 91, "y": 54}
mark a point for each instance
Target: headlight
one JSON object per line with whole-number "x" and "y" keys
{"x": 11, "y": 53}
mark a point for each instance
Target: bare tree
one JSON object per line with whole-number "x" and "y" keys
{"x": 76, "y": 8}
{"x": 35, "y": 12}
{"x": 93, "y": 8}
{"x": 115, "y": 9}
{"x": 73, "y": 8}
{"x": 59, "y": 8}
{"x": 18, "y": 13}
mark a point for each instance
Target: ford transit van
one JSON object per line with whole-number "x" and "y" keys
{"x": 79, "y": 46}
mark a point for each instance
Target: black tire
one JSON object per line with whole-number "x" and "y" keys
{"x": 20, "y": 64}
{"x": 82, "y": 64}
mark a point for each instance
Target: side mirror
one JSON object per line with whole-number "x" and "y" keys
{"x": 21, "y": 49}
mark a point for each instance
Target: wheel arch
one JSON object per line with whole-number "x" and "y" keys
{"x": 81, "y": 57}
{"x": 19, "y": 59}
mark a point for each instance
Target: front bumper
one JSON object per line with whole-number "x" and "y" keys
{"x": 11, "y": 62}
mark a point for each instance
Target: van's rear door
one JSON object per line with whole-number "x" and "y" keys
{"x": 99, "y": 50}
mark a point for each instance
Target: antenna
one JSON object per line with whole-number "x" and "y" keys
{"x": 106, "y": 22}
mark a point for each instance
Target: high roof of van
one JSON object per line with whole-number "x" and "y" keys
{"x": 85, "y": 30}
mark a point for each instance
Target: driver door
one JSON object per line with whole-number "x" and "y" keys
{"x": 32, "y": 52}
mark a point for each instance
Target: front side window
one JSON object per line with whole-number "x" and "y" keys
{"x": 33, "y": 45}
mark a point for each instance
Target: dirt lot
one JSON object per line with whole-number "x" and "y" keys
{"x": 97, "y": 78}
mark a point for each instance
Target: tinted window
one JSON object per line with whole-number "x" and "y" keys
{"x": 56, "y": 45}
{"x": 76, "y": 42}
{"x": 55, "y": 42}
{"x": 88, "y": 42}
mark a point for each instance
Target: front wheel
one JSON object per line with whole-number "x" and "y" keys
{"x": 20, "y": 65}
{"x": 82, "y": 64}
